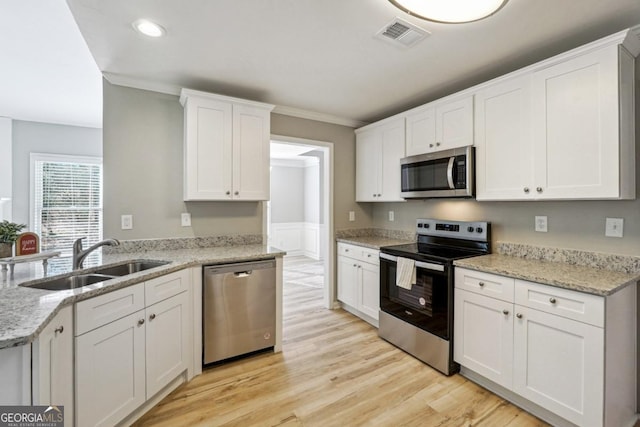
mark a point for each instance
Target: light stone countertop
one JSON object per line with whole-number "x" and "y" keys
{"x": 373, "y": 242}
{"x": 590, "y": 280}
{"x": 24, "y": 311}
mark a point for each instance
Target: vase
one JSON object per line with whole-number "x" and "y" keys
{"x": 6, "y": 250}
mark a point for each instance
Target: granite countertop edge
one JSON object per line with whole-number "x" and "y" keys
{"x": 49, "y": 303}
{"x": 589, "y": 280}
{"x": 373, "y": 242}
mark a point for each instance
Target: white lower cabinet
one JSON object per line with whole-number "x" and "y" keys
{"x": 359, "y": 280}
{"x": 568, "y": 353}
{"x": 52, "y": 364}
{"x": 122, "y": 363}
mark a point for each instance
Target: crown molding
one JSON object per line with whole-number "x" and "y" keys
{"x": 136, "y": 83}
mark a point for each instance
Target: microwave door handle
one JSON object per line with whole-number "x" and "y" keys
{"x": 450, "y": 172}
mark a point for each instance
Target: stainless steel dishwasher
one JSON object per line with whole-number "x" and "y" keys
{"x": 239, "y": 309}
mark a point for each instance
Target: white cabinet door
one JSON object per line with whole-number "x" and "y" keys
{"x": 207, "y": 150}
{"x": 368, "y": 165}
{"x": 369, "y": 289}
{"x": 52, "y": 370}
{"x": 251, "y": 134}
{"x": 392, "y": 146}
{"x": 576, "y": 127}
{"x": 559, "y": 364}
{"x": 167, "y": 342}
{"x": 483, "y": 336}
{"x": 504, "y": 149}
{"x": 348, "y": 281}
{"x": 454, "y": 124}
{"x": 110, "y": 371}
{"x": 421, "y": 131}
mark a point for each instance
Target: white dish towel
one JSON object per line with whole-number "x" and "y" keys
{"x": 405, "y": 273}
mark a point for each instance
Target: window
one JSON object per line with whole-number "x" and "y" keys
{"x": 66, "y": 202}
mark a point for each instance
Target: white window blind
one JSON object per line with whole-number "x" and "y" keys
{"x": 67, "y": 201}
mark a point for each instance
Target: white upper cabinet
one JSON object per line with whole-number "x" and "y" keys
{"x": 378, "y": 153}
{"x": 504, "y": 147}
{"x": 440, "y": 125}
{"x": 560, "y": 129}
{"x": 226, "y": 147}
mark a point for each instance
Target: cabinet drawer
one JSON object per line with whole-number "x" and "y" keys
{"x": 164, "y": 287}
{"x": 359, "y": 253}
{"x": 574, "y": 305}
{"x": 491, "y": 285}
{"x": 106, "y": 308}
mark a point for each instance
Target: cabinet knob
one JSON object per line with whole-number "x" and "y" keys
{"x": 430, "y": 145}
{"x": 236, "y": 193}
{"x": 505, "y": 312}
{"x": 552, "y": 300}
{"x": 228, "y": 193}
{"x": 368, "y": 255}
{"x": 539, "y": 189}
{"x": 481, "y": 284}
{"x": 374, "y": 195}
{"x": 519, "y": 315}
{"x": 379, "y": 195}
{"x": 355, "y": 265}
{"x": 152, "y": 316}
{"x": 359, "y": 266}
{"x": 140, "y": 322}
{"x": 346, "y": 250}
{"x": 59, "y": 329}
{"x": 526, "y": 190}
{"x": 437, "y": 144}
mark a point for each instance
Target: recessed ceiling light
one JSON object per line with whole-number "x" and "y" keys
{"x": 450, "y": 11}
{"x": 148, "y": 28}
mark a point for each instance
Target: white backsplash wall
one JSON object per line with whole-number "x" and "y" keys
{"x": 571, "y": 224}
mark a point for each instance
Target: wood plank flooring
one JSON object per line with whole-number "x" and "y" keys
{"x": 333, "y": 371}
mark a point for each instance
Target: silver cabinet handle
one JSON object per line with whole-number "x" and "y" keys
{"x": 552, "y": 300}
{"x": 481, "y": 284}
{"x": 539, "y": 189}
{"x": 505, "y": 312}
{"x": 526, "y": 190}
{"x": 140, "y": 322}
{"x": 152, "y": 316}
{"x": 519, "y": 315}
{"x": 59, "y": 329}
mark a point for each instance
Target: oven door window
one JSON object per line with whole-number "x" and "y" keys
{"x": 426, "y": 305}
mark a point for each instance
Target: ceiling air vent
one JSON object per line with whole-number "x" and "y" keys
{"x": 402, "y": 33}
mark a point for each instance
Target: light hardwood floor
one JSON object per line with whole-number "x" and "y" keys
{"x": 333, "y": 371}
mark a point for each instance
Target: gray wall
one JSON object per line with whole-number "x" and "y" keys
{"x": 143, "y": 170}
{"x": 312, "y": 194}
{"x": 34, "y": 137}
{"x": 287, "y": 194}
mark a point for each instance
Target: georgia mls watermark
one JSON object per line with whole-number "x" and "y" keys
{"x": 31, "y": 416}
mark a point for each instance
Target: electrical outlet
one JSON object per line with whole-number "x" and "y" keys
{"x": 126, "y": 222}
{"x": 185, "y": 219}
{"x": 614, "y": 227}
{"x": 352, "y": 216}
{"x": 541, "y": 224}
{"x": 391, "y": 216}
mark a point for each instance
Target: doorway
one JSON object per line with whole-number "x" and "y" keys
{"x": 298, "y": 219}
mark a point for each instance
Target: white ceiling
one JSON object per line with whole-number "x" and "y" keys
{"x": 315, "y": 55}
{"x": 47, "y": 73}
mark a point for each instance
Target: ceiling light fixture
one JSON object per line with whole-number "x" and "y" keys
{"x": 148, "y": 28}
{"x": 450, "y": 11}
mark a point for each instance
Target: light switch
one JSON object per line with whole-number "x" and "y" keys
{"x": 614, "y": 227}
{"x": 126, "y": 222}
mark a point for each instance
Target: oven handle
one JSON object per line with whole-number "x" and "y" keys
{"x": 419, "y": 264}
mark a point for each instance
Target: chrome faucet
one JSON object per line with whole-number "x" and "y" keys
{"x": 79, "y": 254}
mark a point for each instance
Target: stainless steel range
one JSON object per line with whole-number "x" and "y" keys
{"x": 416, "y": 288}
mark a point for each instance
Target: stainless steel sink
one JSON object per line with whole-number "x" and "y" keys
{"x": 71, "y": 282}
{"x": 98, "y": 275}
{"x": 130, "y": 267}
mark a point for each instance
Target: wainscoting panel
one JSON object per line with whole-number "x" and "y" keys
{"x": 297, "y": 238}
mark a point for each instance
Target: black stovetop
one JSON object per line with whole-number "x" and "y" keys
{"x": 425, "y": 252}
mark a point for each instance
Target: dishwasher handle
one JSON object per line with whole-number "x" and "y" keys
{"x": 240, "y": 274}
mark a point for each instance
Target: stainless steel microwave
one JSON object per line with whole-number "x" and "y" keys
{"x": 447, "y": 173}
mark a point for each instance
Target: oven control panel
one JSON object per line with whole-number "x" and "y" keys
{"x": 474, "y": 230}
